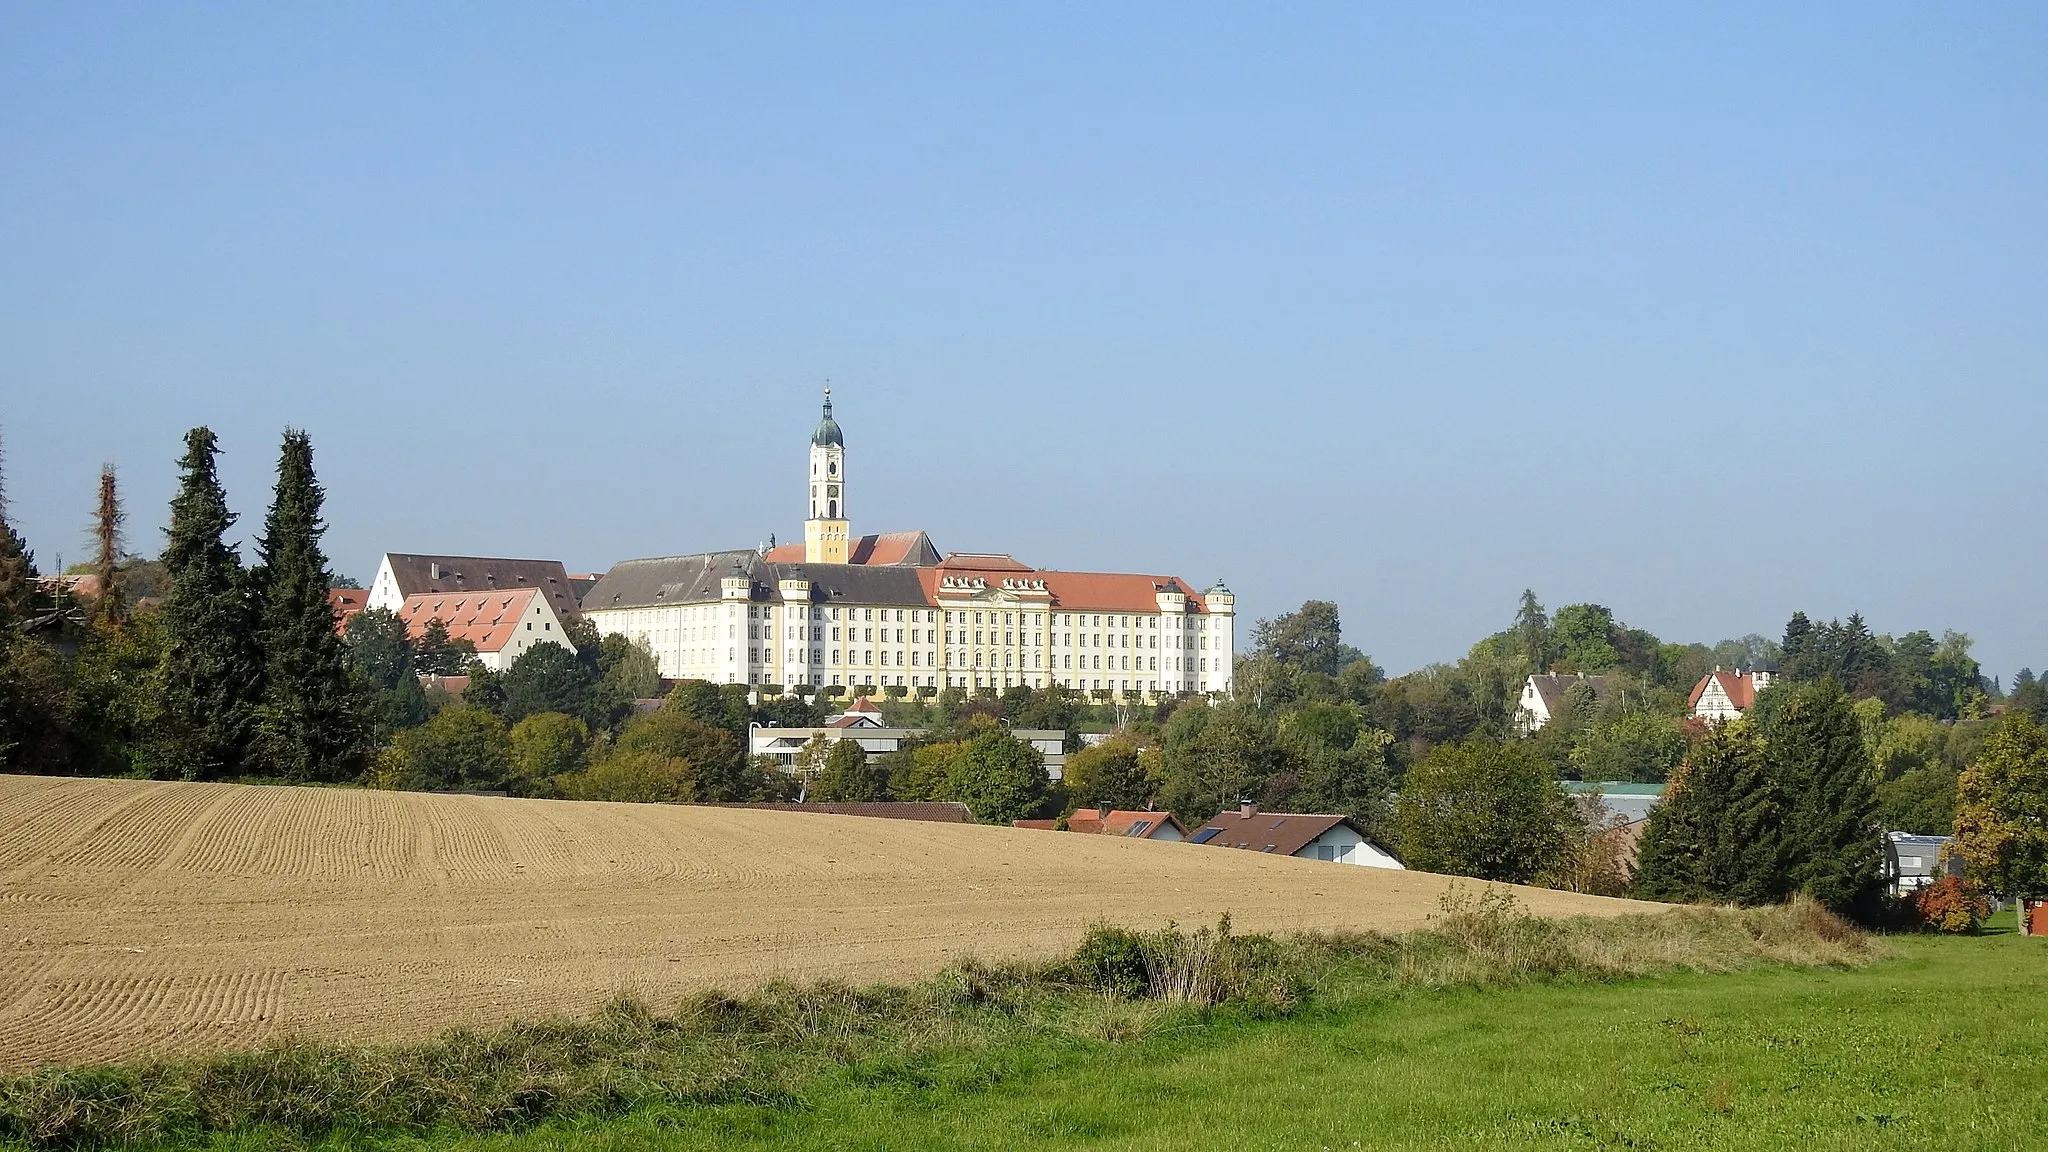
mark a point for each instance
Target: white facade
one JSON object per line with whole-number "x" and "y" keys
{"x": 1002, "y": 641}
{"x": 1343, "y": 845}
{"x": 1712, "y": 699}
{"x": 1534, "y": 713}
{"x": 784, "y": 744}
{"x": 384, "y": 590}
{"x": 538, "y": 624}
{"x": 968, "y": 622}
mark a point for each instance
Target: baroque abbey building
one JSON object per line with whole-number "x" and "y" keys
{"x": 888, "y": 610}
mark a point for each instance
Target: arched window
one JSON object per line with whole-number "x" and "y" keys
{"x": 834, "y": 514}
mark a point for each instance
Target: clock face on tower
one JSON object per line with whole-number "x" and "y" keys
{"x": 831, "y": 489}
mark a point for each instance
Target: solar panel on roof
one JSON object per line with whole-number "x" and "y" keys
{"x": 1206, "y": 835}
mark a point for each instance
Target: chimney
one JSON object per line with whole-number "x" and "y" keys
{"x": 1245, "y": 809}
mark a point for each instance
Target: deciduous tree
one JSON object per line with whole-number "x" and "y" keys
{"x": 458, "y": 749}
{"x": 848, "y": 776}
{"x": 2002, "y": 811}
{"x": 546, "y": 745}
{"x": 548, "y": 678}
{"x": 1487, "y": 810}
{"x": 1109, "y": 773}
{"x": 999, "y": 778}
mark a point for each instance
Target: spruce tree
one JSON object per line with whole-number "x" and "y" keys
{"x": 210, "y": 677}
{"x": 1834, "y": 847}
{"x": 1718, "y": 834}
{"x": 314, "y": 719}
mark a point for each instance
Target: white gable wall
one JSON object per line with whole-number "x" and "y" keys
{"x": 384, "y": 591}
{"x": 538, "y": 624}
{"x": 1345, "y": 846}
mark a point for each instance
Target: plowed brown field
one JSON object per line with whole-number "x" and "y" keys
{"x": 142, "y": 918}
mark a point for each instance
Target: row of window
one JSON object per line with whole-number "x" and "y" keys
{"x": 932, "y": 615}
{"x": 1077, "y": 685}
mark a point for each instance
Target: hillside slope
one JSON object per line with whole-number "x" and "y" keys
{"x": 140, "y": 917}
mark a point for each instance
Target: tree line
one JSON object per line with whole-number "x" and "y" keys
{"x": 236, "y": 673}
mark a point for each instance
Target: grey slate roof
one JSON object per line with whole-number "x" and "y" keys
{"x": 1552, "y": 688}
{"x": 663, "y": 580}
{"x": 416, "y": 574}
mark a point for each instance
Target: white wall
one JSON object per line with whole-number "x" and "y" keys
{"x": 538, "y": 624}
{"x": 1346, "y": 847}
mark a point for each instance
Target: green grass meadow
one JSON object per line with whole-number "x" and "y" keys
{"x": 1942, "y": 1045}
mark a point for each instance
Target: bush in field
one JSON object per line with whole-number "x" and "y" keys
{"x": 1952, "y": 904}
{"x": 546, "y": 745}
{"x": 459, "y": 748}
{"x": 634, "y": 776}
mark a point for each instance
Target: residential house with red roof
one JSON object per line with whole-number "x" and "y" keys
{"x": 1727, "y": 695}
{"x": 1130, "y": 823}
{"x": 888, "y": 610}
{"x": 1307, "y": 836}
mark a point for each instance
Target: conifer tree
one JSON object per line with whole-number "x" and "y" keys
{"x": 1834, "y": 847}
{"x": 17, "y": 568}
{"x": 314, "y": 718}
{"x": 110, "y": 610}
{"x": 1718, "y": 835}
{"x": 210, "y": 677}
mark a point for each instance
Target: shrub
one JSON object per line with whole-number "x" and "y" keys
{"x": 1952, "y": 904}
{"x": 634, "y": 776}
{"x": 1112, "y": 960}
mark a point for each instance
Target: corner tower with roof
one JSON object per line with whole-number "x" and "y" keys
{"x": 825, "y": 532}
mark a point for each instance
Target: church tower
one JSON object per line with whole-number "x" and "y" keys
{"x": 825, "y": 532}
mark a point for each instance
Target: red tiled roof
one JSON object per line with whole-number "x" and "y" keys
{"x": 934, "y": 811}
{"x": 1740, "y": 687}
{"x": 1285, "y": 832}
{"x": 882, "y": 548}
{"x": 1122, "y": 822}
{"x": 453, "y": 685}
{"x": 346, "y": 602}
{"x": 1078, "y": 591}
{"x": 485, "y": 619}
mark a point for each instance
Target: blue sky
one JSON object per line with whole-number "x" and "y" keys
{"x": 1702, "y": 315}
